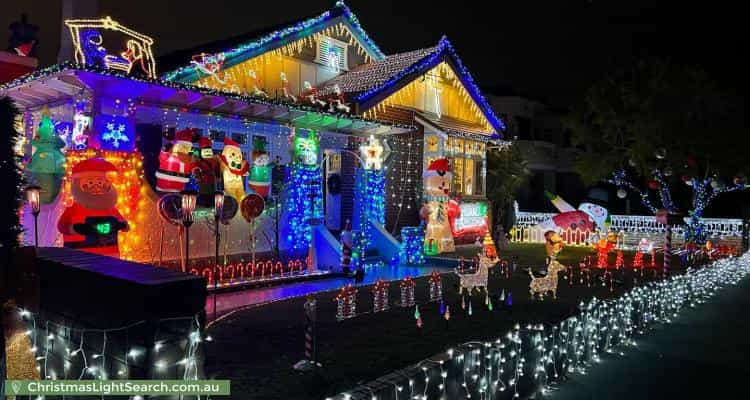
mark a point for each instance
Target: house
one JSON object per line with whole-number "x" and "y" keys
{"x": 316, "y": 96}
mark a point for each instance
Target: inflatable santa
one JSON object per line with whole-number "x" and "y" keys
{"x": 176, "y": 162}
{"x": 233, "y": 169}
{"x": 260, "y": 172}
{"x": 437, "y": 180}
{"x": 92, "y": 222}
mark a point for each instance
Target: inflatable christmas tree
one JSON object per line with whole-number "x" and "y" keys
{"x": 47, "y": 165}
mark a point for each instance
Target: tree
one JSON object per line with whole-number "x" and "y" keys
{"x": 506, "y": 173}
{"x": 657, "y": 128}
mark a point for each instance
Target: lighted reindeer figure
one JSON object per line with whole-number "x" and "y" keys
{"x": 548, "y": 283}
{"x": 477, "y": 280}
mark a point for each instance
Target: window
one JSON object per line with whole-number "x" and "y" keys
{"x": 458, "y": 175}
{"x": 240, "y": 138}
{"x": 332, "y": 53}
{"x": 432, "y": 143}
{"x": 470, "y": 179}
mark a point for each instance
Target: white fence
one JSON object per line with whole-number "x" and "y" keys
{"x": 634, "y": 227}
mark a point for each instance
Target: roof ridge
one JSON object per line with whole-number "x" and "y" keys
{"x": 286, "y": 30}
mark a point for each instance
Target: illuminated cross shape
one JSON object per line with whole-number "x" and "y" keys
{"x": 115, "y": 134}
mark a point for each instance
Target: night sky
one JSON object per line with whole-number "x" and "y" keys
{"x": 548, "y": 50}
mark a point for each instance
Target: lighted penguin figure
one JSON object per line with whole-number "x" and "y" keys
{"x": 234, "y": 168}
{"x": 588, "y": 217}
{"x": 437, "y": 180}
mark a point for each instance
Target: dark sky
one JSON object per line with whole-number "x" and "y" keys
{"x": 550, "y": 50}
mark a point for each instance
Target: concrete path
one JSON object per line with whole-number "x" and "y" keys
{"x": 705, "y": 353}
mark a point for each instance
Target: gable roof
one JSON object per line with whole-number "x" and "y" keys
{"x": 370, "y": 83}
{"x": 367, "y": 76}
{"x": 244, "y": 47}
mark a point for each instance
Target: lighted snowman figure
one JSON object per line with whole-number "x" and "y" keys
{"x": 372, "y": 152}
{"x": 437, "y": 180}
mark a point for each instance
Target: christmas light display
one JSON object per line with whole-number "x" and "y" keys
{"x": 130, "y": 187}
{"x": 478, "y": 280}
{"x": 63, "y": 67}
{"x": 527, "y": 360}
{"x": 407, "y": 286}
{"x": 436, "y": 286}
{"x": 412, "y": 243}
{"x": 372, "y": 153}
{"x": 68, "y": 352}
{"x": 359, "y": 248}
{"x": 369, "y": 199}
{"x": 47, "y": 161}
{"x": 293, "y": 38}
{"x": 346, "y": 303}
{"x": 115, "y": 133}
{"x": 619, "y": 261}
{"x": 721, "y": 227}
{"x": 547, "y": 284}
{"x": 437, "y": 56}
{"x": 304, "y": 199}
{"x": 437, "y": 184}
{"x": 87, "y": 41}
{"x": 380, "y": 301}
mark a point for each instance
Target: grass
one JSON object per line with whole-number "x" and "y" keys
{"x": 256, "y": 348}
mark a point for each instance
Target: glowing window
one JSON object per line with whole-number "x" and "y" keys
{"x": 332, "y": 53}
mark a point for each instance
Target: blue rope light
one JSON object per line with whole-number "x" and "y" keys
{"x": 412, "y": 239}
{"x": 304, "y": 203}
{"x": 275, "y": 39}
{"x": 370, "y": 197}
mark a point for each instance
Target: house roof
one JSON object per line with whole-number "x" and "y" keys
{"x": 243, "y": 47}
{"x": 63, "y": 81}
{"x": 371, "y": 75}
{"x": 369, "y": 84}
{"x": 452, "y": 126}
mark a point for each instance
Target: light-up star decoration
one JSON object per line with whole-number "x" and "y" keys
{"x": 372, "y": 153}
{"x": 90, "y": 50}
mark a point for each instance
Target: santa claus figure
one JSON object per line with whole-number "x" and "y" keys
{"x": 206, "y": 172}
{"x": 437, "y": 180}
{"x": 260, "y": 171}
{"x": 176, "y": 162}
{"x": 92, "y": 222}
{"x": 233, "y": 169}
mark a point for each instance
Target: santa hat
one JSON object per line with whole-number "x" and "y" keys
{"x": 438, "y": 167}
{"x": 229, "y": 142}
{"x": 94, "y": 166}
{"x": 204, "y": 143}
{"x": 25, "y": 49}
{"x": 185, "y": 135}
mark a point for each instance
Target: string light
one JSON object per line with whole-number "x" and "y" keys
{"x": 79, "y": 352}
{"x": 527, "y": 360}
{"x": 349, "y": 26}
